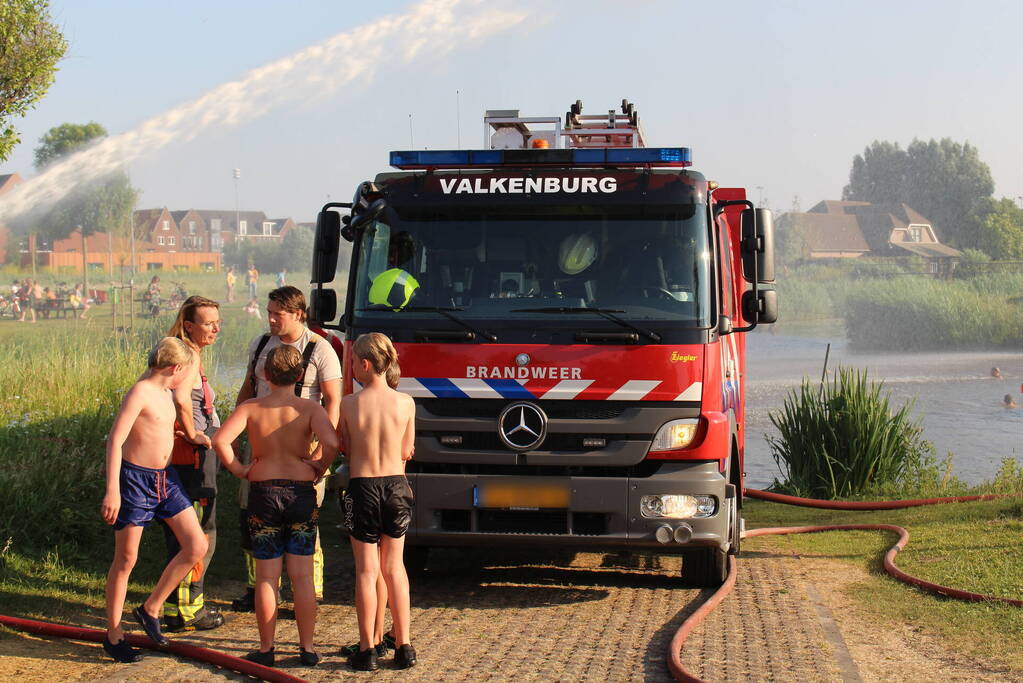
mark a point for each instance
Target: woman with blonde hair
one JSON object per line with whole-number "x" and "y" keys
{"x": 197, "y": 324}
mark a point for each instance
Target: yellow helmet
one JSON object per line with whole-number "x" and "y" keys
{"x": 393, "y": 288}
{"x": 577, "y": 252}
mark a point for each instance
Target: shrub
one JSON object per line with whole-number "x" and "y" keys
{"x": 842, "y": 439}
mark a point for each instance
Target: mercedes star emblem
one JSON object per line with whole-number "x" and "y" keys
{"x": 522, "y": 426}
{"x": 522, "y": 359}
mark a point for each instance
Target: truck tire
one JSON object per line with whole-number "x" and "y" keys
{"x": 415, "y": 559}
{"x": 704, "y": 567}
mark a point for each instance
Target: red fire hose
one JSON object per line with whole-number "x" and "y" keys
{"x": 678, "y": 641}
{"x": 242, "y": 666}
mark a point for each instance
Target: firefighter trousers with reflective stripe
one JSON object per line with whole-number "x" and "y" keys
{"x": 187, "y": 600}
{"x": 243, "y": 530}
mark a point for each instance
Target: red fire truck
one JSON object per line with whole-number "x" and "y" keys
{"x": 570, "y": 308}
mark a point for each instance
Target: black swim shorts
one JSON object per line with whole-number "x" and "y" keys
{"x": 376, "y": 505}
{"x": 282, "y": 517}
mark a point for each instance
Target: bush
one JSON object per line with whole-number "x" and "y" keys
{"x": 915, "y": 314}
{"x": 842, "y": 439}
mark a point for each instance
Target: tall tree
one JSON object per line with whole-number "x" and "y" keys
{"x": 1001, "y": 232}
{"x": 944, "y": 180}
{"x": 30, "y": 47}
{"x": 65, "y": 139}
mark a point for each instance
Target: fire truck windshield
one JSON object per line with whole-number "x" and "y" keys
{"x": 505, "y": 270}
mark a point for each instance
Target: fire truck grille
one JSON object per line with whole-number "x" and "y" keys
{"x": 490, "y": 441}
{"x": 547, "y": 522}
{"x": 556, "y": 410}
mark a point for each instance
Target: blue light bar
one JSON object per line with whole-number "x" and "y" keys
{"x": 493, "y": 158}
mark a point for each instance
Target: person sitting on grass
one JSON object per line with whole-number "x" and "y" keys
{"x": 378, "y": 425}
{"x": 282, "y": 509}
{"x": 141, "y": 486}
{"x": 252, "y": 308}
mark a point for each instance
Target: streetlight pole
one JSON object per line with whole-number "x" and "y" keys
{"x": 237, "y": 212}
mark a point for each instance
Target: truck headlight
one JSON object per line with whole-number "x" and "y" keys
{"x": 675, "y": 434}
{"x": 677, "y": 507}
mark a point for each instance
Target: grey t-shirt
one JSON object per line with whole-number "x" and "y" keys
{"x": 324, "y": 364}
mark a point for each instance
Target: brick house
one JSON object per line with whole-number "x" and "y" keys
{"x": 195, "y": 234}
{"x": 7, "y": 182}
{"x": 159, "y": 228}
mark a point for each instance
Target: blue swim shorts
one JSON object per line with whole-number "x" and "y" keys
{"x": 147, "y": 493}
{"x": 282, "y": 518}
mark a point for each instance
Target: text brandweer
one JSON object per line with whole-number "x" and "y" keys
{"x": 527, "y": 185}
{"x": 484, "y": 372}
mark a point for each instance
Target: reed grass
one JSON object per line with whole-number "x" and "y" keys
{"x": 843, "y": 438}
{"x": 65, "y": 381}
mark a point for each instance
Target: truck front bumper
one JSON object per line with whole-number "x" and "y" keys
{"x": 601, "y": 512}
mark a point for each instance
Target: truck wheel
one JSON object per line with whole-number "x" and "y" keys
{"x": 704, "y": 567}
{"x": 415, "y": 559}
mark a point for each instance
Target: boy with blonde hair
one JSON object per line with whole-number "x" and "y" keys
{"x": 282, "y": 510}
{"x": 378, "y": 426}
{"x": 141, "y": 486}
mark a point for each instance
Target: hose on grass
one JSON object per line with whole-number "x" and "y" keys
{"x": 242, "y": 666}
{"x": 679, "y": 672}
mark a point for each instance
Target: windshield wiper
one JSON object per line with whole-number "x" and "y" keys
{"x": 602, "y": 312}
{"x": 444, "y": 311}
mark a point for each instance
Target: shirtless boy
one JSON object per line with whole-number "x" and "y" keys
{"x": 282, "y": 508}
{"x": 378, "y": 425}
{"x": 141, "y": 486}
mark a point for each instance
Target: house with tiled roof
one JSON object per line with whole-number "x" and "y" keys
{"x": 7, "y": 182}
{"x": 195, "y": 235}
{"x": 849, "y": 229}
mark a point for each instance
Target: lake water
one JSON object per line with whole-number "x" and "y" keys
{"x": 959, "y": 403}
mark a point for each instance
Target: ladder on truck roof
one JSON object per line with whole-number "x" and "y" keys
{"x": 506, "y": 129}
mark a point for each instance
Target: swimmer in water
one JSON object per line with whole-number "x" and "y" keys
{"x": 996, "y": 373}
{"x": 1008, "y": 401}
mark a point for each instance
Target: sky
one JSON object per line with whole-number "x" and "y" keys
{"x": 775, "y": 96}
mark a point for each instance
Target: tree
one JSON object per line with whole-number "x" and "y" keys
{"x": 65, "y": 139}
{"x": 102, "y": 204}
{"x": 30, "y": 47}
{"x": 1001, "y": 232}
{"x": 944, "y": 180}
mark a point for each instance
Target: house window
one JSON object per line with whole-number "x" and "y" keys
{"x": 198, "y": 243}
{"x": 243, "y": 227}
{"x": 215, "y": 225}
{"x": 268, "y": 228}
{"x": 170, "y": 241}
{"x": 914, "y": 233}
{"x": 160, "y": 240}
{"x": 191, "y": 227}
{"x": 166, "y": 225}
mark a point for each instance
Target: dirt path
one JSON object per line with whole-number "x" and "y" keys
{"x": 480, "y": 616}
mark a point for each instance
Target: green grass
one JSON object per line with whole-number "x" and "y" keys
{"x": 973, "y": 546}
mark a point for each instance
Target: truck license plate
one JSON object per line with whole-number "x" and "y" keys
{"x": 521, "y": 496}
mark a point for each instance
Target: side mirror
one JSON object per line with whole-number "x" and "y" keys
{"x": 760, "y": 307}
{"x": 325, "y": 244}
{"x": 322, "y": 305}
{"x": 758, "y": 244}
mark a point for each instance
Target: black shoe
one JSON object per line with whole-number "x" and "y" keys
{"x": 246, "y": 603}
{"x": 210, "y": 619}
{"x": 308, "y": 658}
{"x": 353, "y": 649}
{"x": 151, "y": 625}
{"x": 264, "y": 658}
{"x": 405, "y": 657}
{"x": 122, "y": 651}
{"x": 364, "y": 660}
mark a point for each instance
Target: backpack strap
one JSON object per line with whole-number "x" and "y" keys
{"x": 252, "y": 361}
{"x": 306, "y": 355}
